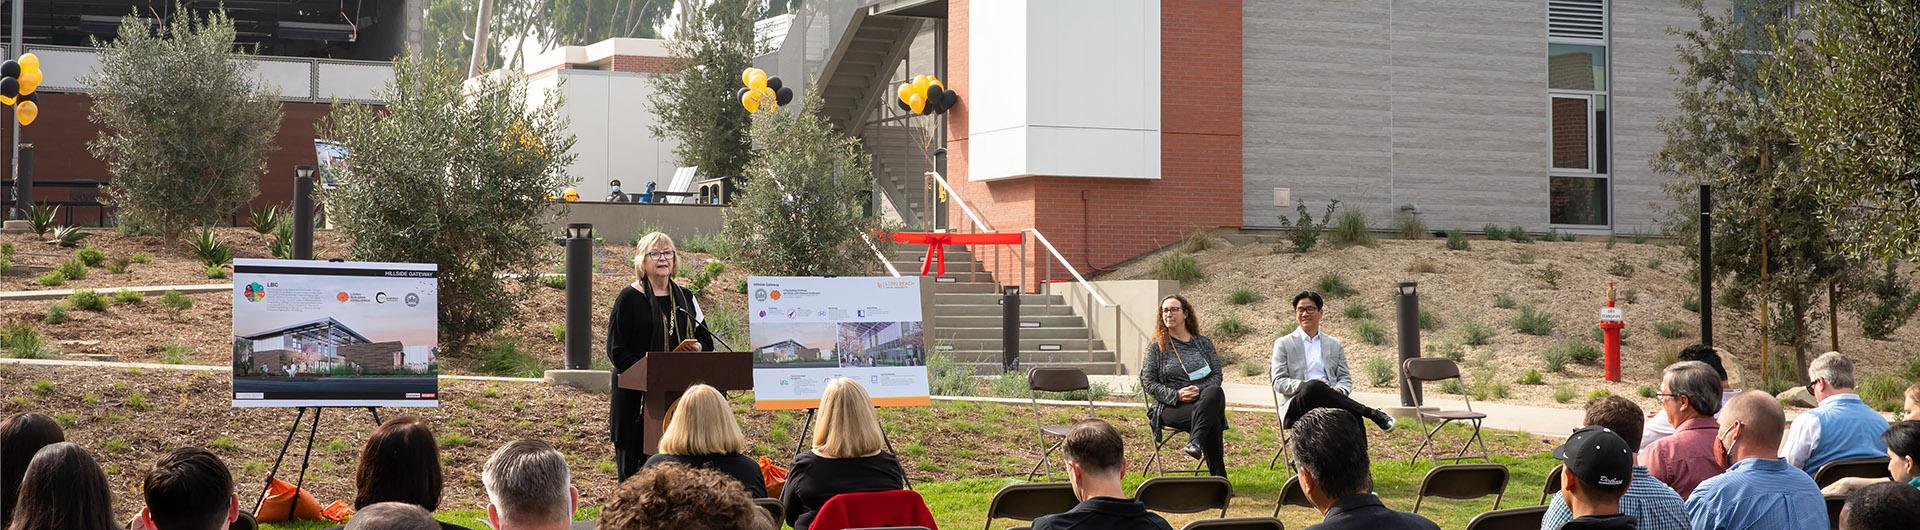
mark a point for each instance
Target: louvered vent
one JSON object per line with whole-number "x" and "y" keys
{"x": 1577, "y": 20}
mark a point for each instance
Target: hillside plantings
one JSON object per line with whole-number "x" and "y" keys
{"x": 1620, "y": 268}
{"x": 1428, "y": 321}
{"x": 90, "y": 256}
{"x": 1178, "y": 267}
{"x": 1503, "y": 301}
{"x": 68, "y": 236}
{"x": 1494, "y": 232}
{"x": 208, "y": 248}
{"x": 88, "y": 300}
{"x": 1533, "y": 322}
{"x": 1231, "y": 326}
{"x": 1667, "y": 329}
{"x": 1350, "y": 229}
{"x": 1423, "y": 266}
{"x": 128, "y": 296}
{"x": 56, "y": 313}
{"x": 21, "y": 341}
{"x": 1474, "y": 333}
{"x": 1379, "y": 371}
{"x": 1197, "y": 241}
{"x": 119, "y": 264}
{"x": 71, "y": 269}
{"x": 175, "y": 303}
{"x": 1303, "y": 233}
{"x": 1371, "y": 332}
{"x": 40, "y": 218}
{"x": 1518, "y": 234}
{"x": 1410, "y": 226}
{"x": 703, "y": 276}
{"x": 1891, "y": 301}
{"x": 265, "y": 221}
{"x": 1530, "y": 377}
{"x": 1243, "y": 296}
{"x": 1457, "y": 240}
{"x": 1333, "y": 284}
{"x": 1357, "y": 312}
{"x": 1550, "y": 275}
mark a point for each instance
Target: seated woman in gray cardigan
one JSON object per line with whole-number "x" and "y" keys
{"x": 1182, "y": 373}
{"x": 1309, "y": 368}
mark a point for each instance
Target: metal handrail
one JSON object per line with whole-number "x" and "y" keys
{"x": 882, "y": 255}
{"x": 971, "y": 216}
{"x": 1042, "y": 238}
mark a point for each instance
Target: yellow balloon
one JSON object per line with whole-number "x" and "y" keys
{"x": 917, "y": 102}
{"x": 26, "y": 113}
{"x": 571, "y": 195}
{"x": 29, "y": 63}
{"x": 920, "y": 85}
{"x": 751, "y": 101}
{"x": 746, "y": 76}
{"x": 935, "y": 81}
{"x": 768, "y": 99}
{"x": 758, "y": 81}
{"x": 7, "y": 100}
{"x": 29, "y": 81}
{"x": 905, "y": 91}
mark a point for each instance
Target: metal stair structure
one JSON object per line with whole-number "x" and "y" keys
{"x": 967, "y": 317}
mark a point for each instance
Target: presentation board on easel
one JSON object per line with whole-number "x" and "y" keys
{"x": 335, "y": 334}
{"x": 806, "y": 331}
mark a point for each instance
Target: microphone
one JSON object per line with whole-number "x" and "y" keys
{"x": 702, "y": 324}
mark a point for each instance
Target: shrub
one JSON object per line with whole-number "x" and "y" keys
{"x": 559, "y": 332}
{"x": 1619, "y": 267}
{"x": 88, "y": 300}
{"x": 282, "y": 244}
{"x": 1563, "y": 393}
{"x": 1632, "y": 296}
{"x": 1449, "y": 350}
{"x": 1243, "y": 297}
{"x": 1503, "y": 301}
{"x": 1554, "y": 358}
{"x": 128, "y": 296}
{"x": 68, "y": 236}
{"x": 119, "y": 265}
{"x": 1230, "y": 326}
{"x": 1654, "y": 264}
{"x": 51, "y": 279}
{"x": 1600, "y": 336}
{"x": 1494, "y": 232}
{"x": 1357, "y": 312}
{"x": 740, "y": 286}
{"x": 1884, "y": 392}
{"x": 1474, "y": 333}
{"x": 1518, "y": 235}
{"x": 1333, "y": 284}
{"x": 1197, "y": 241}
{"x": 1450, "y": 386}
{"x": 1667, "y": 329}
{"x": 1379, "y": 371}
{"x": 946, "y": 378}
{"x": 1525, "y": 257}
{"x": 1251, "y": 369}
{"x": 6, "y": 265}
{"x": 40, "y": 218}
{"x": 1304, "y": 232}
{"x": 702, "y": 244}
{"x": 1598, "y": 393}
{"x": 1533, "y": 322}
{"x": 502, "y": 357}
{"x": 1457, "y": 240}
{"x": 216, "y": 272}
{"x": 175, "y": 302}
{"x": 175, "y": 353}
{"x": 1423, "y": 266}
{"x": 555, "y": 281}
{"x": 207, "y": 247}
{"x": 56, "y": 314}
{"x": 1350, "y": 229}
{"x": 1372, "y": 332}
{"x": 1411, "y": 227}
{"x": 1530, "y": 377}
{"x": 1891, "y": 303}
{"x": 72, "y": 269}
{"x": 1428, "y": 321}
{"x": 1576, "y": 350}
{"x": 265, "y": 221}
{"x": 142, "y": 258}
{"x": 702, "y": 277}
{"x": 813, "y": 159}
{"x": 1646, "y": 391}
{"x": 1550, "y": 274}
{"x": 1690, "y": 303}
{"x": 90, "y": 256}
{"x": 1552, "y": 235}
{"x": 1178, "y": 267}
{"x": 1639, "y": 239}
{"x": 21, "y": 341}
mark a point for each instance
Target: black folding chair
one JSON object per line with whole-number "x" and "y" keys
{"x": 1237, "y": 523}
{"x": 1427, "y": 369}
{"x": 1832, "y": 472}
{"x": 1048, "y": 379}
{"x": 774, "y": 509}
{"x": 1185, "y": 494}
{"x": 1280, "y": 419}
{"x": 1553, "y": 484}
{"x": 1527, "y": 518}
{"x": 1464, "y": 481}
{"x": 1027, "y": 502}
{"x": 1291, "y": 494}
{"x": 1160, "y": 440}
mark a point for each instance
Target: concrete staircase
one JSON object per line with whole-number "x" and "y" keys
{"x": 967, "y": 317}
{"x": 899, "y": 168}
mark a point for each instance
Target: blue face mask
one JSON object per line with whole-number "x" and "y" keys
{"x": 1202, "y": 373}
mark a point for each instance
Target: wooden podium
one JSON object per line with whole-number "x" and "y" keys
{"x": 664, "y": 376}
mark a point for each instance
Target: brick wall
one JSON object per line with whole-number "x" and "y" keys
{"x": 1098, "y": 223}
{"x": 643, "y": 65}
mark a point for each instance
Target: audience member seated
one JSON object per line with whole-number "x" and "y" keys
{"x": 1910, "y": 408}
{"x": 1903, "y": 447}
{"x": 847, "y": 455}
{"x": 529, "y": 488}
{"x": 672, "y": 496}
{"x": 1096, "y": 461}
{"x": 64, "y": 489}
{"x": 20, "y": 437}
{"x": 392, "y": 516}
{"x": 1330, "y": 447}
{"x": 1648, "y": 500}
{"x": 1660, "y": 425}
{"x": 401, "y": 463}
{"x": 1690, "y": 394}
{"x": 1884, "y": 506}
{"x": 704, "y": 434}
{"x": 1599, "y": 468}
{"x": 1759, "y": 491}
{"x": 189, "y": 489}
{"x": 1842, "y": 428}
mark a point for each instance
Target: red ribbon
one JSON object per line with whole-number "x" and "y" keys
{"x": 936, "y": 243}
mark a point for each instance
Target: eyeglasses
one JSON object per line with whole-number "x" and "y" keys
{"x": 1666, "y": 395}
{"x": 1170, "y": 310}
{"x": 1307, "y": 309}
{"x": 660, "y": 254}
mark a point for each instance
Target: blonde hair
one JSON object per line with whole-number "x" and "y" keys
{"x": 647, "y": 243}
{"x": 846, "y": 426}
{"x": 703, "y": 424}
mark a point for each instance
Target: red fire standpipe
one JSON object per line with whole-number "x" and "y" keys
{"x": 1611, "y": 321}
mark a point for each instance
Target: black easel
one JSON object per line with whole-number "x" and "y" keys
{"x": 304, "y": 457}
{"x": 807, "y": 428}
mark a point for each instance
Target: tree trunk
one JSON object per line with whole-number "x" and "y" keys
{"x": 1799, "y": 308}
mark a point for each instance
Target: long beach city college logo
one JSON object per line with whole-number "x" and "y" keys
{"x": 413, "y": 299}
{"x": 760, "y": 295}
{"x": 255, "y": 292}
{"x": 342, "y": 297}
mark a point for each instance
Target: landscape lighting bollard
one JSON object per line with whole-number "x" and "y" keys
{"x": 579, "y": 243}
{"x": 302, "y": 212}
{"x": 1408, "y": 298}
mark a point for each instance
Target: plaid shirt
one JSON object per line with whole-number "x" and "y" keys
{"x": 1647, "y": 499}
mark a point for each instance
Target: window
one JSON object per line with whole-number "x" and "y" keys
{"x": 1576, "y": 67}
{"x": 1578, "y": 201}
{"x": 1578, "y": 89}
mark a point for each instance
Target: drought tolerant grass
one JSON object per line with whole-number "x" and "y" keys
{"x": 1533, "y": 322}
{"x": 1178, "y": 267}
{"x": 1333, "y": 284}
{"x": 1231, "y": 326}
{"x": 1411, "y": 227}
{"x": 1350, "y": 229}
{"x": 1457, "y": 240}
{"x": 88, "y": 300}
{"x": 1357, "y": 312}
{"x": 1372, "y": 332}
{"x": 1243, "y": 297}
{"x": 503, "y": 357}
{"x": 1474, "y": 333}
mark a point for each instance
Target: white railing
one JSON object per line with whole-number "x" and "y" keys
{"x": 882, "y": 256}
{"x": 299, "y": 79}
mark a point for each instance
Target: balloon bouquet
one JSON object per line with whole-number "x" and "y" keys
{"x": 762, "y": 92}
{"x": 18, "y": 81}
{"x": 926, "y": 95}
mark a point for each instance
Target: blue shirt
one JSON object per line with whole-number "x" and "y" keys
{"x": 1842, "y": 428}
{"x": 1758, "y": 494}
{"x": 1657, "y": 506}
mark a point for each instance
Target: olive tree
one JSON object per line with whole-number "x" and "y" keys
{"x": 800, "y": 214}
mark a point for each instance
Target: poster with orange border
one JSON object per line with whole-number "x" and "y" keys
{"x": 807, "y": 331}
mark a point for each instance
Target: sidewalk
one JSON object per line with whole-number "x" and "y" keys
{"x": 1532, "y": 420}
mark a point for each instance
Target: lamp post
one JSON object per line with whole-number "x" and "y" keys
{"x": 303, "y": 212}
{"x": 579, "y": 242}
{"x": 1408, "y": 298}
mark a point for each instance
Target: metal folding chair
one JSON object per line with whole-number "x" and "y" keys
{"x": 1464, "y": 481}
{"x": 1427, "y": 369}
{"x": 1052, "y": 379}
{"x": 1027, "y": 502}
{"x": 1185, "y": 494}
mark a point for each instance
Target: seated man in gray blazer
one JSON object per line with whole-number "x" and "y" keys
{"x": 1309, "y": 369}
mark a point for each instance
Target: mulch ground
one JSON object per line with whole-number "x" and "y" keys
{"x": 128, "y": 418}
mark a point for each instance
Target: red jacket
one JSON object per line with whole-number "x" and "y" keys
{"x": 874, "y": 509}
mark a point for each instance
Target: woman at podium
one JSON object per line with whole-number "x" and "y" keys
{"x": 651, "y": 314}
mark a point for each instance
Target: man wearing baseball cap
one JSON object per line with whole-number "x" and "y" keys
{"x": 1599, "y": 465}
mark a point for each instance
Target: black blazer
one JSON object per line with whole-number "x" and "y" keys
{"x": 1104, "y": 513}
{"x": 1364, "y": 512}
{"x": 741, "y": 467}
{"x": 814, "y": 479}
{"x": 633, "y": 329}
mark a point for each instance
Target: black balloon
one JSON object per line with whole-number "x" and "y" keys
{"x": 903, "y": 105}
{"x": 10, "y": 69}
{"x": 774, "y": 83}
{"x": 948, "y": 100}
{"x": 34, "y": 97}
{"x": 741, "y": 95}
{"x": 10, "y": 87}
{"x": 782, "y": 95}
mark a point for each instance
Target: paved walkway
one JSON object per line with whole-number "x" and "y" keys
{"x": 55, "y": 294}
{"x": 1529, "y": 419}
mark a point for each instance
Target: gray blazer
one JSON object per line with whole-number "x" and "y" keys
{"x": 1288, "y": 367}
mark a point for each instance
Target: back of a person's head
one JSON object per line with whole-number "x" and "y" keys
{"x": 1763, "y": 421}
{"x": 1705, "y": 354}
{"x": 703, "y": 424}
{"x": 528, "y": 483}
{"x": 20, "y": 437}
{"x": 1698, "y": 383}
{"x": 64, "y": 489}
{"x": 1903, "y": 439}
{"x": 677, "y": 497}
{"x": 189, "y": 489}
{"x": 1619, "y": 415}
{"x": 1095, "y": 447}
{"x": 399, "y": 464}
{"x": 1882, "y": 506}
{"x": 846, "y": 426}
{"x": 1834, "y": 368}
{"x": 392, "y": 516}
{"x": 1331, "y": 445}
